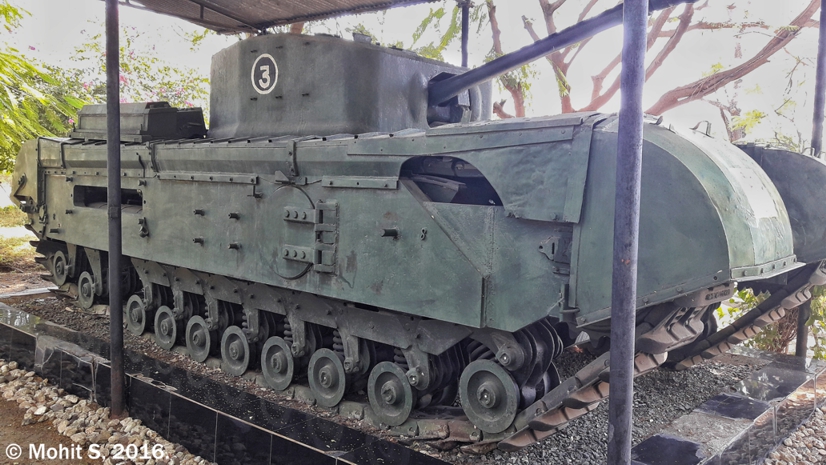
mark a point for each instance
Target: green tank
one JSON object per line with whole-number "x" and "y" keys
{"x": 334, "y": 230}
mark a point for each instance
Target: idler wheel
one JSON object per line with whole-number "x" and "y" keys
{"x": 200, "y": 341}
{"x": 135, "y": 316}
{"x": 390, "y": 394}
{"x": 277, "y": 363}
{"x": 86, "y": 290}
{"x": 235, "y": 351}
{"x": 489, "y": 396}
{"x": 60, "y": 268}
{"x": 327, "y": 378}
{"x": 166, "y": 328}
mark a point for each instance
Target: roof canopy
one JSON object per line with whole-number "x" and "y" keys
{"x": 230, "y": 16}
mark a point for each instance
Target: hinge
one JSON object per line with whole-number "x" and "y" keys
{"x": 326, "y": 236}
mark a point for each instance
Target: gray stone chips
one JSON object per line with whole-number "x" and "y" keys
{"x": 805, "y": 446}
{"x": 84, "y": 422}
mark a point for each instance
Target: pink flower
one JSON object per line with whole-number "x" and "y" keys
{"x": 32, "y": 48}
{"x": 71, "y": 121}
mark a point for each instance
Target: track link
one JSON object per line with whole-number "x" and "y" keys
{"x": 794, "y": 294}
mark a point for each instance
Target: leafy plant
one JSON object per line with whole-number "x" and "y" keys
{"x": 817, "y": 322}
{"x": 12, "y": 216}
{"x": 26, "y": 111}
{"x": 143, "y": 76}
{"x": 777, "y": 337}
{"x": 16, "y": 254}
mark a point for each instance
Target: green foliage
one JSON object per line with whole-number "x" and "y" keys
{"x": 520, "y": 77}
{"x": 26, "y": 110}
{"x": 756, "y": 90}
{"x": 453, "y": 31}
{"x": 563, "y": 86}
{"x": 797, "y": 143}
{"x": 817, "y": 322}
{"x": 143, "y": 76}
{"x": 360, "y": 28}
{"x": 11, "y": 216}
{"x": 778, "y": 336}
{"x": 363, "y": 30}
{"x": 16, "y": 254}
{"x": 748, "y": 121}
{"x": 10, "y": 16}
{"x": 41, "y": 100}
{"x": 715, "y": 68}
{"x": 196, "y": 38}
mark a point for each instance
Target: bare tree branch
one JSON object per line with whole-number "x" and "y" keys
{"x": 597, "y": 97}
{"x": 499, "y": 110}
{"x": 516, "y": 89}
{"x": 734, "y": 110}
{"x": 564, "y": 53}
{"x": 683, "y": 26}
{"x": 560, "y": 69}
{"x": 706, "y": 26}
{"x": 710, "y": 84}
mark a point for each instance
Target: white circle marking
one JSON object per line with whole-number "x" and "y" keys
{"x": 266, "y": 81}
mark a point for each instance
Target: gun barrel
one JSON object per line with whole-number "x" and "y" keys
{"x": 442, "y": 91}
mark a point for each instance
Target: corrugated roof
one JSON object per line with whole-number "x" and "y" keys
{"x": 229, "y": 16}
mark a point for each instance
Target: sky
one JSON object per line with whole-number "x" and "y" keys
{"x": 56, "y": 27}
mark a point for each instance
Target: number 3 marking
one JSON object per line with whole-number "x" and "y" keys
{"x": 264, "y": 82}
{"x": 264, "y": 74}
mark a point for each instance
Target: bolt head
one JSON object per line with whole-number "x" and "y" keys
{"x": 389, "y": 393}
{"x": 486, "y": 395}
{"x": 236, "y": 352}
{"x": 279, "y": 362}
{"x": 326, "y": 377}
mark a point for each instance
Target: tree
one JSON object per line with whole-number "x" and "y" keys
{"x": 26, "y": 110}
{"x": 517, "y": 83}
{"x": 667, "y": 31}
{"x": 143, "y": 76}
{"x": 42, "y": 100}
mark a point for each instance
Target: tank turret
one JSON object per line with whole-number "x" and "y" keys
{"x": 299, "y": 85}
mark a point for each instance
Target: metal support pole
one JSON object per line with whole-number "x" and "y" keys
{"x": 803, "y": 313}
{"x": 626, "y": 232}
{"x": 820, "y": 88}
{"x": 465, "y": 5}
{"x": 113, "y": 206}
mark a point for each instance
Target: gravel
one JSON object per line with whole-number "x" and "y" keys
{"x": 659, "y": 398}
{"x": 84, "y": 422}
{"x": 806, "y": 445}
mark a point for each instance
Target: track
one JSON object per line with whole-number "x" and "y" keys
{"x": 214, "y": 316}
{"x": 796, "y": 292}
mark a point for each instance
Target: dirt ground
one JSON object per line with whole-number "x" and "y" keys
{"x": 19, "y": 272}
{"x": 11, "y": 432}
